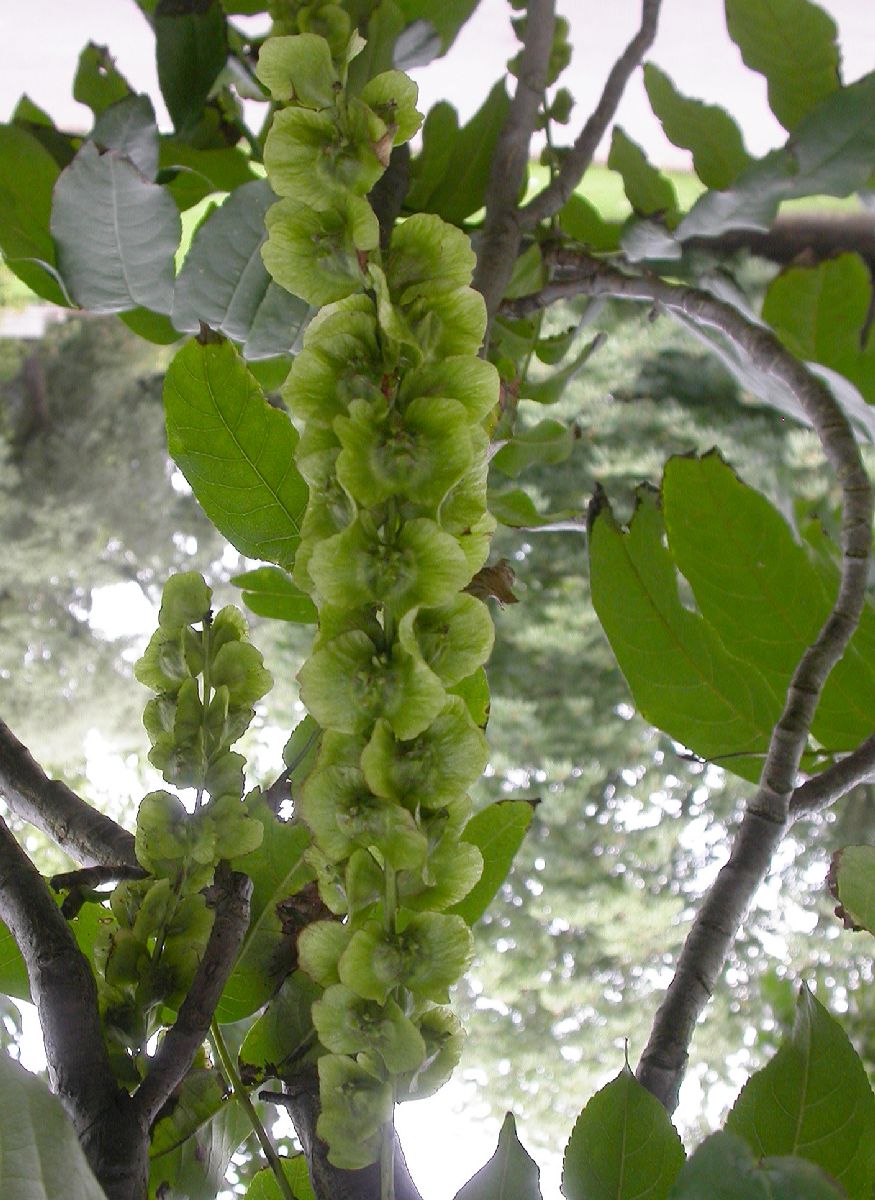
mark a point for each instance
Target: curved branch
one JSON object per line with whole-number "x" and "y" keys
{"x": 834, "y": 782}
{"x": 88, "y": 836}
{"x": 580, "y": 156}
{"x": 500, "y": 241}
{"x": 188, "y": 1033}
{"x": 768, "y": 813}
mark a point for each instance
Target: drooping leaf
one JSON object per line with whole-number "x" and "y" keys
{"x": 649, "y": 191}
{"x": 583, "y": 222}
{"x": 116, "y": 234}
{"x": 548, "y": 442}
{"x": 196, "y": 1167}
{"x": 724, "y": 1168}
{"x": 793, "y": 44}
{"x": 283, "y": 1033}
{"x": 40, "y": 1155}
{"x": 224, "y": 283}
{"x": 497, "y": 831}
{"x": 706, "y": 130}
{"x": 270, "y": 592}
{"x": 191, "y": 49}
{"x": 821, "y": 313}
{"x": 680, "y": 675}
{"x": 511, "y": 1173}
{"x": 264, "y": 1185}
{"x": 831, "y": 153}
{"x": 439, "y": 132}
{"x": 516, "y": 509}
{"x": 27, "y": 176}
{"x": 235, "y": 450}
{"x": 460, "y": 189}
{"x": 813, "y": 1100}
{"x": 267, "y": 953}
{"x": 852, "y": 882}
{"x": 98, "y": 82}
{"x": 551, "y": 389}
{"x": 623, "y": 1146}
{"x": 129, "y": 127}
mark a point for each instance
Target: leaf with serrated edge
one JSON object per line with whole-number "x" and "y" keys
{"x": 497, "y": 831}
{"x": 511, "y": 1173}
{"x": 623, "y": 1146}
{"x": 813, "y": 1100}
{"x": 236, "y": 451}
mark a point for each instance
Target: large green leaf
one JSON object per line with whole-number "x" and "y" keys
{"x": 98, "y": 82}
{"x": 439, "y": 132}
{"x": 268, "y": 950}
{"x": 447, "y": 16}
{"x": 831, "y": 152}
{"x": 129, "y": 127}
{"x": 27, "y": 176}
{"x": 853, "y": 883}
{"x": 201, "y": 1096}
{"x": 511, "y": 1173}
{"x": 822, "y": 314}
{"x": 116, "y": 234}
{"x": 283, "y": 1033}
{"x": 648, "y": 191}
{"x": 224, "y": 283}
{"x": 191, "y": 49}
{"x": 190, "y": 174}
{"x": 235, "y": 450}
{"x": 623, "y": 1146}
{"x": 497, "y": 831}
{"x": 264, "y": 1185}
{"x": 40, "y": 1155}
{"x": 195, "y": 1168}
{"x": 706, "y": 130}
{"x": 723, "y": 1168}
{"x": 813, "y": 1100}
{"x": 792, "y": 43}
{"x": 682, "y": 678}
{"x": 760, "y": 592}
{"x": 460, "y": 188}
{"x": 270, "y": 592}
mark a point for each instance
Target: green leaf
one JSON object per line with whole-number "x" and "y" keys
{"x": 129, "y": 127}
{"x": 583, "y": 222}
{"x": 116, "y": 234}
{"x": 267, "y": 954}
{"x": 27, "y": 175}
{"x": 831, "y": 153}
{"x": 461, "y": 188}
{"x": 821, "y": 314}
{"x": 270, "y": 592}
{"x": 723, "y": 1168}
{"x": 13, "y": 973}
{"x": 853, "y": 870}
{"x": 283, "y": 1033}
{"x": 191, "y": 174}
{"x": 813, "y": 1100}
{"x": 516, "y": 509}
{"x": 758, "y": 590}
{"x": 552, "y": 389}
{"x": 649, "y": 191}
{"x": 201, "y": 1096}
{"x": 474, "y": 690}
{"x": 511, "y": 1173}
{"x": 704, "y": 129}
{"x": 265, "y": 1187}
{"x": 623, "y": 1146}
{"x": 792, "y": 43}
{"x": 447, "y": 16}
{"x": 190, "y": 50}
{"x": 40, "y": 1155}
{"x": 196, "y": 1168}
{"x": 224, "y": 283}
{"x": 152, "y": 327}
{"x": 97, "y": 82}
{"x": 548, "y": 442}
{"x": 497, "y": 831}
{"x": 236, "y": 451}
{"x": 680, "y": 675}
{"x": 428, "y": 169}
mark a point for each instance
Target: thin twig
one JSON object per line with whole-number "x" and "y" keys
{"x": 500, "y": 241}
{"x": 834, "y": 782}
{"x": 188, "y": 1033}
{"x": 580, "y": 156}
{"x": 768, "y": 813}
{"x": 81, "y": 831}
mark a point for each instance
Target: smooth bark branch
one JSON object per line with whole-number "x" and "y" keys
{"x": 810, "y": 237}
{"x": 560, "y": 188}
{"x": 768, "y": 813}
{"x": 301, "y": 1099}
{"x": 835, "y": 781}
{"x": 88, "y": 836}
{"x": 188, "y": 1033}
{"x": 499, "y": 244}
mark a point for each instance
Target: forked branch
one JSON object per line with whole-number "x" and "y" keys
{"x": 768, "y": 813}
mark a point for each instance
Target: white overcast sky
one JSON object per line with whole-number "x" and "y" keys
{"x": 39, "y": 48}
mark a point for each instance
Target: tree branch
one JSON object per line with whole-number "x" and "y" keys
{"x": 768, "y": 813}
{"x": 834, "y": 782}
{"x": 579, "y": 158}
{"x": 87, "y": 835}
{"x": 500, "y": 240}
{"x": 301, "y": 1098}
{"x": 188, "y": 1033}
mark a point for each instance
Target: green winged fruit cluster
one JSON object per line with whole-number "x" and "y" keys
{"x": 390, "y": 398}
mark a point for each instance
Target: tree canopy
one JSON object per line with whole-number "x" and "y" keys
{"x": 359, "y": 417}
